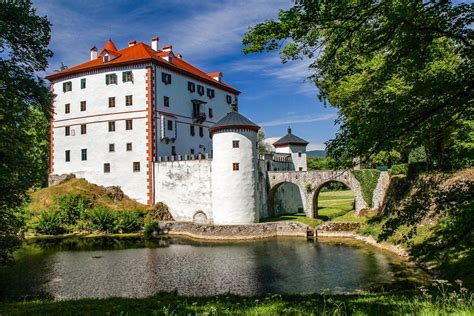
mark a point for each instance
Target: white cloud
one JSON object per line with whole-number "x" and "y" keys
{"x": 299, "y": 119}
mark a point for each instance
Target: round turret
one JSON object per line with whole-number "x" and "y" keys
{"x": 234, "y": 170}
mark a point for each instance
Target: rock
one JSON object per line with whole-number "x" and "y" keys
{"x": 55, "y": 179}
{"x": 115, "y": 193}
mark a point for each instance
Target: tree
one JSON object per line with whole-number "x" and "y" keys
{"x": 399, "y": 72}
{"x": 261, "y": 146}
{"x": 24, "y": 38}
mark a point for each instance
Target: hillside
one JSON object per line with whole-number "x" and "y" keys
{"x": 111, "y": 197}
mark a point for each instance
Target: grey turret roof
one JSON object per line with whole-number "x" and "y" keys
{"x": 290, "y": 139}
{"x": 234, "y": 120}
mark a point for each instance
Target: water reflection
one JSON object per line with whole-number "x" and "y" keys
{"x": 135, "y": 267}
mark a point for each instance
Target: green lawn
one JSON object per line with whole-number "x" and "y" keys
{"x": 406, "y": 303}
{"x": 333, "y": 204}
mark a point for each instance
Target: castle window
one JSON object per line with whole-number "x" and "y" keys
{"x": 166, "y": 101}
{"x": 200, "y": 90}
{"x": 67, "y": 86}
{"x": 166, "y": 78}
{"x": 129, "y": 146}
{"x": 112, "y": 126}
{"x": 128, "y": 125}
{"x": 83, "y": 154}
{"x": 192, "y": 151}
{"x": 83, "y": 129}
{"x": 111, "y": 102}
{"x": 67, "y": 108}
{"x": 83, "y": 83}
{"x": 173, "y": 150}
{"x": 67, "y": 130}
{"x": 201, "y": 131}
{"x": 111, "y": 79}
{"x": 111, "y": 148}
{"x": 68, "y": 155}
{"x": 127, "y": 76}
{"x": 170, "y": 125}
{"x": 128, "y": 100}
{"x": 228, "y": 99}
{"x": 191, "y": 130}
{"x": 235, "y": 166}
{"x": 299, "y": 154}
{"x": 136, "y": 166}
{"x": 300, "y": 168}
{"x": 210, "y": 93}
{"x": 106, "y": 167}
{"x": 211, "y": 115}
{"x": 83, "y": 105}
{"x": 235, "y": 144}
{"x": 191, "y": 86}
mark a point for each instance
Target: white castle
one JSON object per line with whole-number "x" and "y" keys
{"x": 144, "y": 119}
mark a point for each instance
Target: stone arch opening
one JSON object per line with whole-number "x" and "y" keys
{"x": 286, "y": 198}
{"x": 200, "y": 217}
{"x": 333, "y": 198}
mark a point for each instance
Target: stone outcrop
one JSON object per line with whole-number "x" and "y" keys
{"x": 54, "y": 179}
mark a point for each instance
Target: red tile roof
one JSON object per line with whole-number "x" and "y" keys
{"x": 139, "y": 53}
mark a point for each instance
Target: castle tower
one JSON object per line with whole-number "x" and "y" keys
{"x": 234, "y": 170}
{"x": 292, "y": 144}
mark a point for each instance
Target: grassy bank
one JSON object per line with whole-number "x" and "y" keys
{"x": 313, "y": 304}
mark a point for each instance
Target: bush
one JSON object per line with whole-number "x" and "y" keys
{"x": 399, "y": 169}
{"x": 50, "y": 222}
{"x": 130, "y": 221}
{"x": 71, "y": 207}
{"x": 151, "y": 226}
{"x": 102, "y": 218}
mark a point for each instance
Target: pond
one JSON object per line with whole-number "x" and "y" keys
{"x": 103, "y": 267}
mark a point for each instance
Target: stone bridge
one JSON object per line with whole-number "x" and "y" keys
{"x": 317, "y": 179}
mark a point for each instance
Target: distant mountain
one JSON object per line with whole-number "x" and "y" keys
{"x": 316, "y": 153}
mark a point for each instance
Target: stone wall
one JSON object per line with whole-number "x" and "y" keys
{"x": 185, "y": 186}
{"x": 226, "y": 232}
{"x": 380, "y": 190}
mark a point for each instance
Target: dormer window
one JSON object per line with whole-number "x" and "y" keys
{"x": 106, "y": 58}
{"x": 166, "y": 78}
{"x": 110, "y": 79}
{"x": 210, "y": 93}
{"x": 127, "y": 76}
{"x": 200, "y": 90}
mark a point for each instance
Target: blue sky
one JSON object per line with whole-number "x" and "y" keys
{"x": 208, "y": 34}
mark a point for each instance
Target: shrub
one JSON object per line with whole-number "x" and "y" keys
{"x": 50, "y": 222}
{"x": 151, "y": 226}
{"x": 71, "y": 207}
{"x": 130, "y": 221}
{"x": 102, "y": 218}
{"x": 399, "y": 169}
{"x": 368, "y": 179}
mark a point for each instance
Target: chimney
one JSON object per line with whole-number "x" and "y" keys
{"x": 93, "y": 53}
{"x": 167, "y": 48}
{"x": 154, "y": 43}
{"x": 131, "y": 43}
{"x": 289, "y": 130}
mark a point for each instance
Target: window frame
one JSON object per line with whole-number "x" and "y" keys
{"x": 127, "y": 147}
{"x": 165, "y": 78}
{"x": 201, "y": 131}
{"x": 127, "y": 76}
{"x": 83, "y": 83}
{"x": 192, "y": 130}
{"x": 67, "y": 130}
{"x": 191, "y": 87}
{"x": 228, "y": 98}
{"x": 129, "y": 100}
{"x": 111, "y": 126}
{"x": 83, "y": 106}
{"x": 111, "y": 148}
{"x": 111, "y": 79}
{"x": 235, "y": 166}
{"x": 67, "y": 86}
{"x": 67, "y": 108}
{"x": 128, "y": 125}
{"x": 169, "y": 125}
{"x": 111, "y": 102}
{"x": 136, "y": 166}
{"x": 210, "y": 93}
{"x": 84, "y": 154}
{"x": 235, "y": 143}
{"x": 200, "y": 89}
{"x": 106, "y": 167}
{"x": 210, "y": 112}
{"x": 67, "y": 155}
{"x": 166, "y": 101}
{"x": 83, "y": 129}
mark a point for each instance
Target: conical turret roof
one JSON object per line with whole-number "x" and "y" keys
{"x": 234, "y": 120}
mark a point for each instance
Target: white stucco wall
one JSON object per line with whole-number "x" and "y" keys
{"x": 234, "y": 199}
{"x": 98, "y": 138}
{"x": 185, "y": 186}
{"x": 180, "y": 111}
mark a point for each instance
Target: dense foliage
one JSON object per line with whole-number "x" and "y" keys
{"x": 399, "y": 72}
{"x": 24, "y": 107}
{"x": 368, "y": 179}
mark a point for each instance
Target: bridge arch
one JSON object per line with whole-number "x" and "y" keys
{"x": 317, "y": 191}
{"x": 272, "y": 196}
